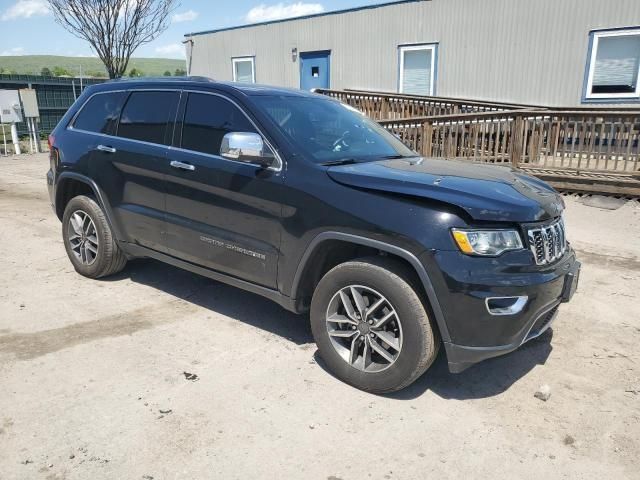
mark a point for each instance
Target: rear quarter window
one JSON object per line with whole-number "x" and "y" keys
{"x": 100, "y": 113}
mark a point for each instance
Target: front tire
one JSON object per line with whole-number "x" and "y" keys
{"x": 88, "y": 240}
{"x": 371, "y": 326}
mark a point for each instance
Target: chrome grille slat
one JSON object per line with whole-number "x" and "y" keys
{"x": 548, "y": 243}
{"x": 558, "y": 245}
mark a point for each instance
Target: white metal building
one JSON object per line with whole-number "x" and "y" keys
{"x": 548, "y": 52}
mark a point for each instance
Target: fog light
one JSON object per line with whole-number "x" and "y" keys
{"x": 506, "y": 305}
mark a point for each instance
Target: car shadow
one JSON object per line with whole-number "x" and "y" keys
{"x": 220, "y": 298}
{"x": 486, "y": 379}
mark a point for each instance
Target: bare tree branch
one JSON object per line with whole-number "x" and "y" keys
{"x": 114, "y": 28}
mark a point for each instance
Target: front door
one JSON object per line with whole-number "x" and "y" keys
{"x": 314, "y": 70}
{"x": 221, "y": 214}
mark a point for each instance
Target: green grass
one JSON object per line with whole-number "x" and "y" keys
{"x": 33, "y": 64}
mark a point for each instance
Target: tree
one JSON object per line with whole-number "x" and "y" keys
{"x": 180, "y": 72}
{"x": 95, "y": 73}
{"x": 45, "y": 72}
{"x": 167, "y": 73}
{"x": 114, "y": 28}
{"x": 134, "y": 72}
{"x": 61, "y": 72}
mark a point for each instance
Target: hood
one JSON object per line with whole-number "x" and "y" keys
{"x": 485, "y": 192}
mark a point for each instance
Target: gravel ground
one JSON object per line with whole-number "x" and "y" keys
{"x": 159, "y": 373}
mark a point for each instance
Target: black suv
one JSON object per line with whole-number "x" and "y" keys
{"x": 304, "y": 200}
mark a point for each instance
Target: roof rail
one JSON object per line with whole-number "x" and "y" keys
{"x": 185, "y": 78}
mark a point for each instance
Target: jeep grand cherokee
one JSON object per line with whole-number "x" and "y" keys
{"x": 301, "y": 199}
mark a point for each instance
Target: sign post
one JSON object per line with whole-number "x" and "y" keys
{"x": 15, "y": 139}
{"x": 4, "y": 137}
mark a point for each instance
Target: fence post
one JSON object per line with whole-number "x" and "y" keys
{"x": 517, "y": 138}
{"x": 555, "y": 135}
{"x": 384, "y": 104}
{"x": 427, "y": 137}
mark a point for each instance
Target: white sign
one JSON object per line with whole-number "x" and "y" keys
{"x": 10, "y": 110}
{"x": 29, "y": 102}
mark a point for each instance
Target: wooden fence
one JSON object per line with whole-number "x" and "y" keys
{"x": 580, "y": 141}
{"x": 584, "y": 148}
{"x": 389, "y": 106}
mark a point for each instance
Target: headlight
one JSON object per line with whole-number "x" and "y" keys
{"x": 487, "y": 242}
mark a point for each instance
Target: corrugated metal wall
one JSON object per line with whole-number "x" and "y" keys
{"x": 527, "y": 51}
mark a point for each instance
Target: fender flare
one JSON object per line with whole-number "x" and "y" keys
{"x": 385, "y": 247}
{"x": 100, "y": 196}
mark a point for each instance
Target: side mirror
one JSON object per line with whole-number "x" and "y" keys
{"x": 247, "y": 147}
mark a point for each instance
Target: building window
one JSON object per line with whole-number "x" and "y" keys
{"x": 614, "y": 65}
{"x": 417, "y": 69}
{"x": 244, "y": 70}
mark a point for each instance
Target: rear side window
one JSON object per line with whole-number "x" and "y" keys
{"x": 100, "y": 113}
{"x": 147, "y": 115}
{"x": 207, "y": 119}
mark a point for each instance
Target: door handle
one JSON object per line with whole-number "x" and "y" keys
{"x": 182, "y": 165}
{"x": 105, "y": 148}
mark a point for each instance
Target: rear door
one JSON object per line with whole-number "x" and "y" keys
{"x": 222, "y": 214}
{"x": 132, "y": 165}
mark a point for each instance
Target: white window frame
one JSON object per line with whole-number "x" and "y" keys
{"x": 592, "y": 62}
{"x": 409, "y": 48}
{"x": 235, "y": 60}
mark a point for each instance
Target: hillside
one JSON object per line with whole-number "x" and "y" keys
{"x": 33, "y": 64}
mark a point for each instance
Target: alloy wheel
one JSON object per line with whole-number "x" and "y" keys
{"x": 364, "y": 328}
{"x": 83, "y": 238}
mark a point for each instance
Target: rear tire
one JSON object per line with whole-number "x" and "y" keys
{"x": 88, "y": 240}
{"x": 408, "y": 337}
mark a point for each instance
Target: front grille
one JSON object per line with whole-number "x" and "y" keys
{"x": 548, "y": 242}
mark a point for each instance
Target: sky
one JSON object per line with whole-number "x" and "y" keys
{"x": 28, "y": 27}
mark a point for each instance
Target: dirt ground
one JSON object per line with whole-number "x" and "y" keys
{"x": 93, "y": 383}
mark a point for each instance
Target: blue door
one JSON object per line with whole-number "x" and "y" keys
{"x": 314, "y": 70}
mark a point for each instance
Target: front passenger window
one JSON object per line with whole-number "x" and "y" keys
{"x": 207, "y": 119}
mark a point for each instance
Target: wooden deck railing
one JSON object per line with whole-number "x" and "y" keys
{"x": 581, "y": 141}
{"x": 393, "y": 106}
{"x": 596, "y": 148}
{"x": 389, "y": 106}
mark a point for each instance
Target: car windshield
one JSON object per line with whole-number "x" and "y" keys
{"x": 329, "y": 131}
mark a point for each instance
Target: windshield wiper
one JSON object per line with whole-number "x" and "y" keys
{"x": 342, "y": 161}
{"x": 395, "y": 157}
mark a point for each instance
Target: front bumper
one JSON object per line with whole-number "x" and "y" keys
{"x": 463, "y": 284}
{"x": 461, "y": 357}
